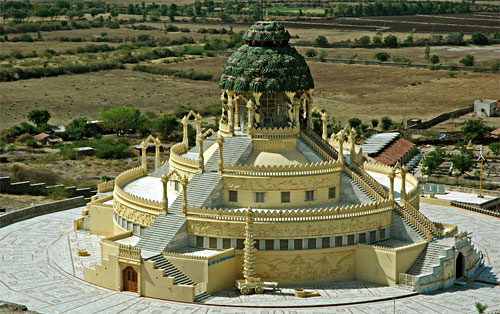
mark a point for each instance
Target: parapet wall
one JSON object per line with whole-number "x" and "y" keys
{"x": 42, "y": 209}
{"x": 25, "y": 187}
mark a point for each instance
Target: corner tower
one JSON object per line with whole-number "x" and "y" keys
{"x": 266, "y": 85}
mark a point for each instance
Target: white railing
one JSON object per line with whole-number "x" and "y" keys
{"x": 283, "y": 170}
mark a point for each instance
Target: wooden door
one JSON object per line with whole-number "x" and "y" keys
{"x": 129, "y": 279}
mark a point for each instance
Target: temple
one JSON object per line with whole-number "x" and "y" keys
{"x": 267, "y": 199}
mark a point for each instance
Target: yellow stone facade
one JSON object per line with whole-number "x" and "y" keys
{"x": 309, "y": 225}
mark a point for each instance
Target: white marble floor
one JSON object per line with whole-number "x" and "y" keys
{"x": 39, "y": 268}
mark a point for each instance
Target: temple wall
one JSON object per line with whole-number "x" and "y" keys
{"x": 273, "y": 186}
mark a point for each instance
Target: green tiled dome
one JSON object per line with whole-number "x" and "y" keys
{"x": 266, "y": 63}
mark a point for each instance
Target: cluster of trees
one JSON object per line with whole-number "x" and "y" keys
{"x": 21, "y": 10}
{"x": 400, "y": 8}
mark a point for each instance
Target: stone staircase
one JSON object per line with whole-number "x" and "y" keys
{"x": 203, "y": 190}
{"x": 426, "y": 259}
{"x": 421, "y": 218}
{"x": 202, "y": 297}
{"x": 170, "y": 270}
{"x": 86, "y": 222}
{"x": 356, "y": 195}
{"x": 311, "y": 155}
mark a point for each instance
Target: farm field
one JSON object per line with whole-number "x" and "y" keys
{"x": 345, "y": 91}
{"x": 68, "y": 97}
{"x": 467, "y": 23}
{"x": 484, "y": 56}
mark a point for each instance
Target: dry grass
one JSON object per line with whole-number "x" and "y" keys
{"x": 367, "y": 92}
{"x": 71, "y": 96}
{"x": 39, "y": 46}
{"x": 345, "y": 91}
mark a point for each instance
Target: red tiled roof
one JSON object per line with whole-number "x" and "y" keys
{"x": 391, "y": 154}
{"x": 41, "y": 136}
{"x": 495, "y": 132}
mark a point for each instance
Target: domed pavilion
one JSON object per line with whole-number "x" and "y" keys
{"x": 265, "y": 202}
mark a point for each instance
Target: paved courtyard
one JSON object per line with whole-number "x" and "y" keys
{"x": 39, "y": 268}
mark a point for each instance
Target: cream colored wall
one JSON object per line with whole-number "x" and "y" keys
{"x": 278, "y": 144}
{"x": 152, "y": 283}
{"x": 273, "y": 186}
{"x": 222, "y": 276}
{"x": 307, "y": 266}
{"x": 101, "y": 222}
{"x": 290, "y": 230}
{"x": 155, "y": 285}
{"x": 406, "y": 258}
{"x": 195, "y": 269}
{"x": 375, "y": 265}
{"x": 435, "y": 201}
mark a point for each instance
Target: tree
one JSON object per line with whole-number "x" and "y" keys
{"x": 434, "y": 159}
{"x": 468, "y": 60}
{"x": 364, "y": 40}
{"x": 78, "y": 129}
{"x": 322, "y": 55}
{"x": 474, "y": 129}
{"x": 42, "y": 11}
{"x": 391, "y": 41}
{"x": 377, "y": 39}
{"x": 166, "y": 125}
{"x": 121, "y": 119}
{"x": 39, "y": 117}
{"x": 321, "y": 41}
{"x": 386, "y": 123}
{"x": 197, "y": 7}
{"x": 495, "y": 148}
{"x": 479, "y": 38}
{"x": 455, "y": 38}
{"x": 381, "y": 56}
{"x": 434, "y": 59}
{"x": 310, "y": 53}
{"x": 374, "y": 123}
{"x": 480, "y": 307}
{"x": 427, "y": 52}
{"x": 354, "y": 122}
{"x": 463, "y": 162}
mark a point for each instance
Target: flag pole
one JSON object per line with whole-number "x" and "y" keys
{"x": 481, "y": 157}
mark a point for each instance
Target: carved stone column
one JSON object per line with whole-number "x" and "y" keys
{"x": 392, "y": 175}
{"x": 237, "y": 112}
{"x": 230, "y": 114}
{"x": 184, "y": 184}
{"x": 198, "y": 120}
{"x": 403, "y": 182}
{"x": 251, "y": 116}
{"x": 144, "y": 163}
{"x": 340, "y": 137}
{"x": 309, "y": 106}
{"x": 201, "y": 162}
{"x": 296, "y": 113}
{"x": 352, "y": 136}
{"x": 185, "y": 138}
{"x": 164, "y": 181}
{"x": 324, "y": 120}
{"x": 249, "y": 251}
{"x": 220, "y": 142}
{"x": 157, "y": 153}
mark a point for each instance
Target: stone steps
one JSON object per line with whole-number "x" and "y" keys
{"x": 169, "y": 270}
{"x": 427, "y": 258}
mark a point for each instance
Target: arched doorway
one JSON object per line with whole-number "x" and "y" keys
{"x": 459, "y": 266}
{"x": 129, "y": 279}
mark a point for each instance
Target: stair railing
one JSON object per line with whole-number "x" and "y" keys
{"x": 431, "y": 226}
{"x": 200, "y": 288}
{"x": 368, "y": 188}
{"x": 369, "y": 179}
{"x": 414, "y": 222}
{"x": 321, "y": 146}
{"x": 407, "y": 280}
